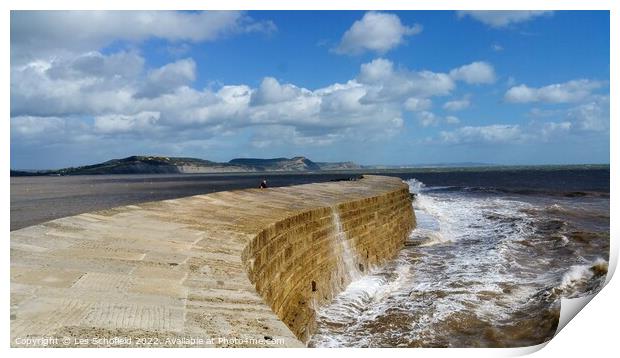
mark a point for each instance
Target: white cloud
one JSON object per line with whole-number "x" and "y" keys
{"x": 118, "y": 123}
{"x": 125, "y": 65}
{"x": 457, "y": 105}
{"x": 98, "y": 96}
{"x": 567, "y": 92}
{"x": 343, "y": 98}
{"x": 49, "y": 131}
{"x": 427, "y": 119}
{"x": 215, "y": 110}
{"x": 452, "y": 120}
{"x": 502, "y": 18}
{"x": 168, "y": 78}
{"x": 474, "y": 73}
{"x": 386, "y": 83}
{"x": 271, "y": 91}
{"x": 31, "y": 126}
{"x": 377, "y": 70}
{"x": 275, "y": 135}
{"x": 376, "y": 31}
{"x": 118, "y": 104}
{"x": 550, "y": 130}
{"x": 496, "y": 133}
{"x": 591, "y": 116}
{"x": 543, "y": 113}
{"x": 588, "y": 117}
{"x": 521, "y": 94}
{"x": 417, "y": 104}
{"x": 60, "y": 87}
{"x": 49, "y": 33}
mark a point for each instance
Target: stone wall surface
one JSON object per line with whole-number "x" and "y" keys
{"x": 239, "y": 268}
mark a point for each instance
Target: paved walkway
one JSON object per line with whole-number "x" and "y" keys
{"x": 160, "y": 273}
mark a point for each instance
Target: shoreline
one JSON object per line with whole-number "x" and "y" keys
{"x": 375, "y": 170}
{"x": 38, "y": 199}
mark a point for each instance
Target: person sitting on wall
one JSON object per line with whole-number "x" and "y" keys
{"x": 263, "y": 184}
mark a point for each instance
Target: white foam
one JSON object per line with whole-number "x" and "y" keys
{"x": 348, "y": 261}
{"x": 464, "y": 261}
{"x": 578, "y": 275}
{"x": 455, "y": 218}
{"x": 364, "y": 292}
{"x": 415, "y": 186}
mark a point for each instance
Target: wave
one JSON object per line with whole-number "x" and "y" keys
{"x": 362, "y": 301}
{"x": 453, "y": 217}
{"x": 518, "y": 191}
{"x": 415, "y": 186}
{"x": 474, "y": 263}
{"x": 581, "y": 280}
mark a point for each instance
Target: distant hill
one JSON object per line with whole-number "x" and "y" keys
{"x": 277, "y": 164}
{"x": 177, "y": 165}
{"x": 338, "y": 165}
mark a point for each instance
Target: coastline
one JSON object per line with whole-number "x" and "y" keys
{"x": 38, "y": 199}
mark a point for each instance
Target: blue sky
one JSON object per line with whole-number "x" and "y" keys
{"x": 393, "y": 87}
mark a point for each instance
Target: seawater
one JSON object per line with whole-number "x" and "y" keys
{"x": 483, "y": 268}
{"x": 348, "y": 263}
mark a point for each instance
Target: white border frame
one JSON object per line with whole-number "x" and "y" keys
{"x": 593, "y": 331}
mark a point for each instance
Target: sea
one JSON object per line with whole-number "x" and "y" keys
{"x": 493, "y": 253}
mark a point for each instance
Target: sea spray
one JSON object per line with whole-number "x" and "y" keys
{"x": 478, "y": 261}
{"x": 347, "y": 263}
{"x": 583, "y": 278}
{"x": 347, "y": 270}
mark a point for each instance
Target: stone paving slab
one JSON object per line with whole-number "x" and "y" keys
{"x": 159, "y": 271}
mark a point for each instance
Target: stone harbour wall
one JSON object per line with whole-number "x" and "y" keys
{"x": 296, "y": 263}
{"x": 245, "y": 268}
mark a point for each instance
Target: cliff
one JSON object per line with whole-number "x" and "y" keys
{"x": 277, "y": 164}
{"x": 178, "y": 165}
{"x": 238, "y": 268}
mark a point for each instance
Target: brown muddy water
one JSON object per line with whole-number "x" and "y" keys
{"x": 484, "y": 268}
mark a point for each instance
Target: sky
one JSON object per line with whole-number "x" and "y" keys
{"x": 373, "y": 87}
